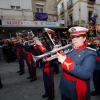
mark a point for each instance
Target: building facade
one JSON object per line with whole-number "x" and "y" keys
{"x": 79, "y": 13}
{"x": 23, "y": 15}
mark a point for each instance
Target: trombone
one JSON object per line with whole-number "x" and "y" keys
{"x": 35, "y": 58}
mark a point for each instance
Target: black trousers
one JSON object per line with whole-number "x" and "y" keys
{"x": 63, "y": 97}
{"x": 96, "y": 80}
{"x": 0, "y": 83}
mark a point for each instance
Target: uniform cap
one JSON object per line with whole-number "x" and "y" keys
{"x": 31, "y": 34}
{"x": 77, "y": 30}
{"x": 49, "y": 31}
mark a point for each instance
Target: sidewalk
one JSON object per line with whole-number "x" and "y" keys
{"x": 18, "y": 87}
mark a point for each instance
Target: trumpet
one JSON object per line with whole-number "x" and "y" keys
{"x": 55, "y": 56}
{"x": 35, "y": 58}
{"x": 32, "y": 42}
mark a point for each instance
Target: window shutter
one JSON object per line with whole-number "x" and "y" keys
{"x": 4, "y": 3}
{"x": 14, "y": 2}
{"x": 25, "y": 4}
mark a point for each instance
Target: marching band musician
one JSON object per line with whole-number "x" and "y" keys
{"x": 77, "y": 67}
{"x": 48, "y": 69}
{"x": 19, "y": 53}
{"x": 28, "y": 51}
{"x": 96, "y": 73}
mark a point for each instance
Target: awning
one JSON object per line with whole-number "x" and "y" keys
{"x": 12, "y": 27}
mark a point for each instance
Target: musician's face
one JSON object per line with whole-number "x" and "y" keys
{"x": 78, "y": 41}
{"x": 28, "y": 37}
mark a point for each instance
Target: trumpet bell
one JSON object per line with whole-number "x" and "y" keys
{"x": 35, "y": 58}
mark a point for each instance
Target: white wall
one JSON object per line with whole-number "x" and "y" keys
{"x": 97, "y": 1}
{"x": 75, "y": 12}
{"x": 84, "y": 11}
{"x": 97, "y": 9}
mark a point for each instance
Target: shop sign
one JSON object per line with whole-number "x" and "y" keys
{"x": 30, "y": 23}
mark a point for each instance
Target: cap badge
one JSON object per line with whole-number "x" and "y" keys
{"x": 73, "y": 30}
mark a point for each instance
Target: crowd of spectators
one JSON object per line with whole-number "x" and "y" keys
{"x": 7, "y": 50}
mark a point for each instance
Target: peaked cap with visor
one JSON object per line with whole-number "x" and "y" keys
{"x": 75, "y": 31}
{"x": 51, "y": 32}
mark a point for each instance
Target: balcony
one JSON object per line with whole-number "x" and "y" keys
{"x": 69, "y": 4}
{"x": 69, "y": 22}
{"x": 62, "y": 10}
{"x": 76, "y": 22}
{"x": 92, "y": 20}
{"x": 91, "y": 1}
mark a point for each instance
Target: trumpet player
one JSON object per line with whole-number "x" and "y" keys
{"x": 48, "y": 69}
{"x": 96, "y": 73}
{"x": 19, "y": 53}
{"x": 77, "y": 67}
{"x": 28, "y": 51}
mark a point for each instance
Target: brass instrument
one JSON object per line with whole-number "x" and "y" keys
{"x": 92, "y": 39}
{"x": 92, "y": 35}
{"x": 55, "y": 56}
{"x": 32, "y": 41}
{"x": 35, "y": 58}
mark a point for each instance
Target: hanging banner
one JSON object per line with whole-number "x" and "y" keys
{"x": 41, "y": 16}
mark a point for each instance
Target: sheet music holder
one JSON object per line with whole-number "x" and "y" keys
{"x": 92, "y": 33}
{"x": 48, "y": 39}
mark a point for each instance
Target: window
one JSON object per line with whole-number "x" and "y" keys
{"x": 39, "y": 10}
{"x": 90, "y": 14}
{"x": 62, "y": 5}
{"x": 71, "y": 18}
{"x": 70, "y": 21}
{"x": 15, "y": 7}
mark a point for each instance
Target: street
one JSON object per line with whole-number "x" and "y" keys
{"x": 18, "y": 87}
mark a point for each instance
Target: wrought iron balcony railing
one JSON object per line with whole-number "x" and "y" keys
{"x": 91, "y": 1}
{"x": 61, "y": 10}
